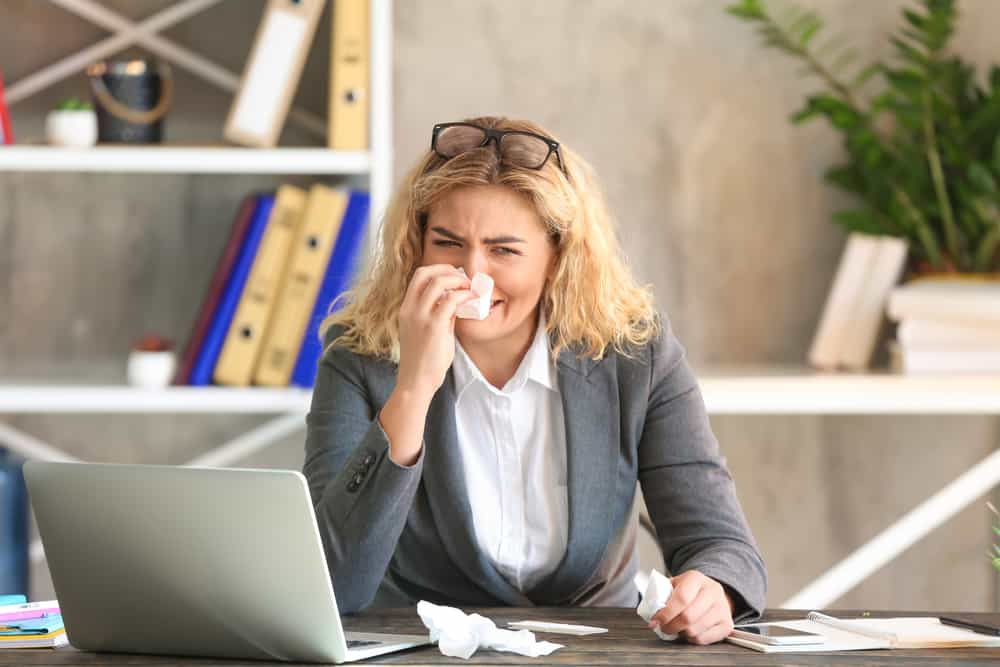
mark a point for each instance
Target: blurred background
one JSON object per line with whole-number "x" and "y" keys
{"x": 720, "y": 201}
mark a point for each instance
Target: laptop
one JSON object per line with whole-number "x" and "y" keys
{"x": 192, "y": 561}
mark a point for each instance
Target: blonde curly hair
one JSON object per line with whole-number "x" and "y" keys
{"x": 592, "y": 301}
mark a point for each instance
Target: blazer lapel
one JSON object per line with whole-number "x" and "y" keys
{"x": 444, "y": 483}
{"x": 590, "y": 406}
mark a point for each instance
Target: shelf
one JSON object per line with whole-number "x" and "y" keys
{"x": 184, "y": 159}
{"x": 112, "y": 399}
{"x": 800, "y": 391}
{"x": 746, "y": 392}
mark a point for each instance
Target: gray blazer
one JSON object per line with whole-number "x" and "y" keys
{"x": 395, "y": 535}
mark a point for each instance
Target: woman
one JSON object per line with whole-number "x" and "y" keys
{"x": 494, "y": 462}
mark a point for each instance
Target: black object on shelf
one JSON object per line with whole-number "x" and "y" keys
{"x": 13, "y": 526}
{"x": 132, "y": 98}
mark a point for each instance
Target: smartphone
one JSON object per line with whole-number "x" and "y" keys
{"x": 775, "y": 634}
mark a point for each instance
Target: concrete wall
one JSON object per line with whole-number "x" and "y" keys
{"x": 720, "y": 202}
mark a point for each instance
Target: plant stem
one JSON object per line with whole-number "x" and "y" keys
{"x": 937, "y": 175}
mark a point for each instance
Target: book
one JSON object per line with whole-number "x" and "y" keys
{"x": 247, "y": 330}
{"x": 339, "y": 273}
{"x": 6, "y": 131}
{"x": 947, "y": 299}
{"x": 349, "y": 72}
{"x": 920, "y": 332}
{"x": 34, "y": 640}
{"x": 18, "y": 611}
{"x": 204, "y": 364}
{"x": 849, "y": 282}
{"x": 210, "y": 303}
{"x": 309, "y": 255}
{"x": 272, "y": 72}
{"x": 873, "y": 633}
{"x": 950, "y": 359}
{"x": 869, "y": 314}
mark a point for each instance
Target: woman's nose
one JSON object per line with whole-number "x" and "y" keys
{"x": 475, "y": 262}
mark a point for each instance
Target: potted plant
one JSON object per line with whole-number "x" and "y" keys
{"x": 151, "y": 362}
{"x": 72, "y": 123}
{"x": 922, "y": 135}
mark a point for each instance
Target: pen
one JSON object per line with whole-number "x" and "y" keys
{"x": 975, "y": 627}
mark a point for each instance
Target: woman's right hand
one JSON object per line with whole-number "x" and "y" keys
{"x": 427, "y": 327}
{"x": 426, "y": 350}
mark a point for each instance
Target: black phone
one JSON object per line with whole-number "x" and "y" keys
{"x": 969, "y": 623}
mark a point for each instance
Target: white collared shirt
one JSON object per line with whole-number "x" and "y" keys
{"x": 513, "y": 444}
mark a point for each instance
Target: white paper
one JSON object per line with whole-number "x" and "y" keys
{"x": 658, "y": 591}
{"x": 558, "y": 628}
{"x": 482, "y": 285}
{"x": 459, "y": 635}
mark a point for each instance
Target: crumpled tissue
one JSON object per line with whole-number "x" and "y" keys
{"x": 658, "y": 591}
{"x": 459, "y": 634}
{"x": 482, "y": 285}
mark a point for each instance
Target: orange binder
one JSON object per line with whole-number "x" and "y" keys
{"x": 247, "y": 330}
{"x": 349, "y": 70}
{"x": 307, "y": 266}
{"x": 272, "y": 72}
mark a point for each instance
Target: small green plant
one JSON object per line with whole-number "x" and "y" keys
{"x": 74, "y": 104}
{"x": 995, "y": 556}
{"x": 923, "y": 147}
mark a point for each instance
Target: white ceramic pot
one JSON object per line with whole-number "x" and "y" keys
{"x": 151, "y": 370}
{"x": 77, "y": 129}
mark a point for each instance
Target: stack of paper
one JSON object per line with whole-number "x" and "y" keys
{"x": 31, "y": 624}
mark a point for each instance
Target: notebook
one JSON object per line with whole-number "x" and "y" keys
{"x": 859, "y": 634}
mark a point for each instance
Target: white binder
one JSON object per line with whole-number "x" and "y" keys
{"x": 272, "y": 72}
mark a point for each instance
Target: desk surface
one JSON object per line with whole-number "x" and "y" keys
{"x": 627, "y": 642}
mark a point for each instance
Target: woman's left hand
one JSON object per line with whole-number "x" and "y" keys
{"x": 699, "y": 609}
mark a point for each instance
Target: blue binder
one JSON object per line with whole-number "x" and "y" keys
{"x": 14, "y": 566}
{"x": 339, "y": 272}
{"x": 201, "y": 374}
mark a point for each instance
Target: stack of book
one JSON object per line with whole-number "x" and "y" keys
{"x": 290, "y": 254}
{"x": 26, "y": 624}
{"x": 947, "y": 325}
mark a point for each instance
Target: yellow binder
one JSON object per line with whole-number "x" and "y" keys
{"x": 247, "y": 330}
{"x": 272, "y": 72}
{"x": 300, "y": 288}
{"x": 349, "y": 84}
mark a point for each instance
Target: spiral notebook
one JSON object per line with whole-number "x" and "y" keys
{"x": 859, "y": 634}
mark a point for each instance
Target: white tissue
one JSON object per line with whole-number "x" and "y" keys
{"x": 482, "y": 285}
{"x": 459, "y": 635}
{"x": 658, "y": 590}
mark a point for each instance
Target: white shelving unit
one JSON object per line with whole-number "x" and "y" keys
{"x": 376, "y": 163}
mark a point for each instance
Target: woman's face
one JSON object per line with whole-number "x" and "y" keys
{"x": 494, "y": 230}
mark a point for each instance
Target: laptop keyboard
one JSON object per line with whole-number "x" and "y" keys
{"x": 360, "y": 643}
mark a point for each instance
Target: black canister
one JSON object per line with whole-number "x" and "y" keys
{"x": 131, "y": 98}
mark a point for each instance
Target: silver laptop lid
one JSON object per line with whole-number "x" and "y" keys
{"x": 186, "y": 561}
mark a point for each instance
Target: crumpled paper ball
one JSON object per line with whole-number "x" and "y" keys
{"x": 658, "y": 591}
{"x": 459, "y": 635}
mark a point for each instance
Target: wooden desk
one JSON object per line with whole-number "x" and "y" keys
{"x": 627, "y": 642}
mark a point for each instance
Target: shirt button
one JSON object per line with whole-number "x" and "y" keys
{"x": 368, "y": 461}
{"x": 358, "y": 478}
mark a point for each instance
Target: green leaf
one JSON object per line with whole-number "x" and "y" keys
{"x": 747, "y": 9}
{"x": 981, "y": 178}
{"x": 996, "y": 151}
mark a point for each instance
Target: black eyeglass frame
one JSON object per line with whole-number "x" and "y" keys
{"x": 494, "y": 135}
